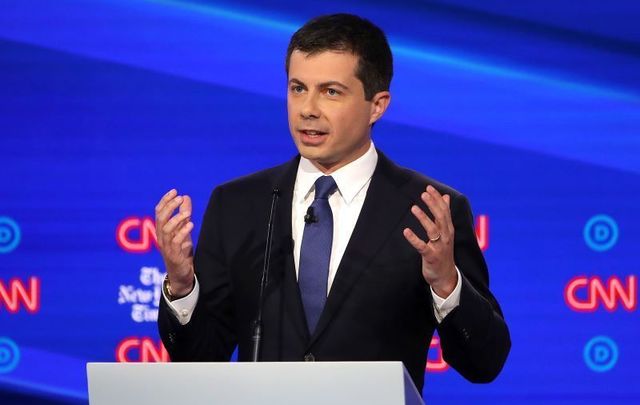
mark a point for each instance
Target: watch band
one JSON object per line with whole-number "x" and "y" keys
{"x": 166, "y": 286}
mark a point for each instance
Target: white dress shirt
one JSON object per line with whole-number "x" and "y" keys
{"x": 346, "y": 203}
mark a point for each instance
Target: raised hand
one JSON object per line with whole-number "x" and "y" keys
{"x": 438, "y": 265}
{"x": 174, "y": 240}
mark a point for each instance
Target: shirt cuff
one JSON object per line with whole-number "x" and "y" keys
{"x": 182, "y": 308}
{"x": 442, "y": 306}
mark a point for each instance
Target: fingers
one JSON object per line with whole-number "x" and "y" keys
{"x": 447, "y": 200}
{"x": 186, "y": 204}
{"x": 426, "y": 222}
{"x": 440, "y": 227}
{"x": 181, "y": 219}
{"x": 180, "y": 240}
{"x": 163, "y": 214}
{"x": 176, "y": 221}
{"x": 437, "y": 252}
{"x": 165, "y": 199}
{"x": 167, "y": 227}
{"x": 180, "y": 236}
{"x": 436, "y": 204}
{"x": 439, "y": 206}
{"x": 187, "y": 247}
{"x": 417, "y": 243}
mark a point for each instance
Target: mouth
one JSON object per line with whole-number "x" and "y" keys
{"x": 312, "y": 132}
{"x": 312, "y": 137}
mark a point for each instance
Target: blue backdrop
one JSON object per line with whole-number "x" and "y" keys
{"x": 531, "y": 109}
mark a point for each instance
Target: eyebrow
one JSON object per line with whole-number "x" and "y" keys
{"x": 322, "y": 85}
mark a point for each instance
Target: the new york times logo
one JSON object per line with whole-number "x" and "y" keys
{"x": 144, "y": 299}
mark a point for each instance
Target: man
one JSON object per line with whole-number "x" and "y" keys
{"x": 367, "y": 258}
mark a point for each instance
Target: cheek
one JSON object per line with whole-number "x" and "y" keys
{"x": 342, "y": 114}
{"x": 291, "y": 112}
{"x": 351, "y": 121}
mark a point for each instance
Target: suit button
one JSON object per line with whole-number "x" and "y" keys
{"x": 309, "y": 357}
{"x": 465, "y": 333}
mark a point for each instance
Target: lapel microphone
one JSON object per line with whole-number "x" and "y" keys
{"x": 310, "y": 217}
{"x": 257, "y": 324}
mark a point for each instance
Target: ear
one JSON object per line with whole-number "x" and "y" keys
{"x": 379, "y": 104}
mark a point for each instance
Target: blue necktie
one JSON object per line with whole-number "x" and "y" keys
{"x": 315, "y": 252}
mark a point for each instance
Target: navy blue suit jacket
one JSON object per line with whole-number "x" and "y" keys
{"x": 379, "y": 307}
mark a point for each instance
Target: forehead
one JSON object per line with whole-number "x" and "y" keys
{"x": 323, "y": 66}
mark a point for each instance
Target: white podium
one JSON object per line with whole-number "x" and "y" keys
{"x": 321, "y": 383}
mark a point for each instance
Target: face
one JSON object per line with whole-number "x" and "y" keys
{"x": 329, "y": 118}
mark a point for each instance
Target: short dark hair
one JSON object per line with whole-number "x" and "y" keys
{"x": 350, "y": 33}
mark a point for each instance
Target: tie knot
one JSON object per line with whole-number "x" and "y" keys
{"x": 325, "y": 185}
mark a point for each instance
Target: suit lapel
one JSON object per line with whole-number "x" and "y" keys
{"x": 383, "y": 208}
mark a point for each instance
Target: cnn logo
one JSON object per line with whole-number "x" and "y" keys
{"x": 17, "y": 294}
{"x": 136, "y": 235}
{"x": 586, "y": 294}
{"x": 141, "y": 350}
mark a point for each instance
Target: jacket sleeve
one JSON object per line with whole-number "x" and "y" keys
{"x": 474, "y": 336}
{"x": 210, "y": 334}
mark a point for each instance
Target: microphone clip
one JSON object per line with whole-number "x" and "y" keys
{"x": 310, "y": 217}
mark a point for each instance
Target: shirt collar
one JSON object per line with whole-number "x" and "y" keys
{"x": 349, "y": 178}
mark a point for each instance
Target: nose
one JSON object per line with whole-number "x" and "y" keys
{"x": 309, "y": 108}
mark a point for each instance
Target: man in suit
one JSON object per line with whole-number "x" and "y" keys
{"x": 367, "y": 258}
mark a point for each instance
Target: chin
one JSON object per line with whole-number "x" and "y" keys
{"x": 310, "y": 152}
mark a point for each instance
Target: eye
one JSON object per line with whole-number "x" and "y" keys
{"x": 297, "y": 89}
{"x": 332, "y": 92}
